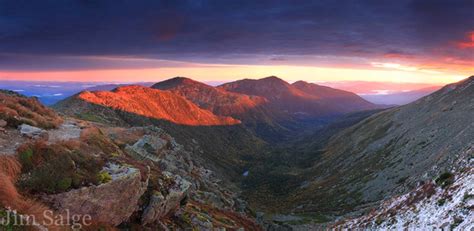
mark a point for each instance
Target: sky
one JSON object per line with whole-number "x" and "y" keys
{"x": 428, "y": 41}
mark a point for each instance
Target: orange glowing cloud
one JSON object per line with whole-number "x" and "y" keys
{"x": 469, "y": 43}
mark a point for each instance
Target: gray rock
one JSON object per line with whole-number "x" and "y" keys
{"x": 30, "y": 131}
{"x": 148, "y": 147}
{"x": 111, "y": 203}
{"x": 67, "y": 131}
{"x": 161, "y": 205}
{"x": 3, "y": 123}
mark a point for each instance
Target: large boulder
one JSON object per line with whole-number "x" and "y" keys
{"x": 148, "y": 147}
{"x": 30, "y": 131}
{"x": 160, "y": 148}
{"x": 161, "y": 205}
{"x": 111, "y": 203}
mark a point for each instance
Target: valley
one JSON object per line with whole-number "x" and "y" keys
{"x": 245, "y": 115}
{"x": 258, "y": 154}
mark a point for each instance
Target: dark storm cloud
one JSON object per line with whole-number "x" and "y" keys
{"x": 206, "y": 31}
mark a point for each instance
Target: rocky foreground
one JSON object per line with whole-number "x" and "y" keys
{"x": 130, "y": 178}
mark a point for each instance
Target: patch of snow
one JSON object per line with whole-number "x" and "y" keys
{"x": 450, "y": 208}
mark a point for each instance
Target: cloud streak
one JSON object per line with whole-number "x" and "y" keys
{"x": 116, "y": 34}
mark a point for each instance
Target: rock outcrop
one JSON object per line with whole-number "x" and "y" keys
{"x": 161, "y": 148}
{"x": 120, "y": 176}
{"x": 30, "y": 131}
{"x": 111, "y": 203}
{"x": 161, "y": 205}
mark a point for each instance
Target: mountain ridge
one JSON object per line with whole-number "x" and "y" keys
{"x": 305, "y": 101}
{"x": 156, "y": 104}
{"x": 214, "y": 99}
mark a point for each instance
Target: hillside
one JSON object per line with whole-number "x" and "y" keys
{"x": 16, "y": 109}
{"x": 444, "y": 204}
{"x": 382, "y": 156}
{"x": 152, "y": 103}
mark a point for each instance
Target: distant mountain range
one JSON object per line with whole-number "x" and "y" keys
{"x": 301, "y": 98}
{"x": 400, "y": 97}
{"x": 270, "y": 107}
{"x": 388, "y": 93}
{"x": 382, "y": 93}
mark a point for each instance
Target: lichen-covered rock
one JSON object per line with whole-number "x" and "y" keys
{"x": 161, "y": 205}
{"x": 111, "y": 203}
{"x": 148, "y": 147}
{"x": 67, "y": 131}
{"x": 159, "y": 147}
{"x": 30, "y": 131}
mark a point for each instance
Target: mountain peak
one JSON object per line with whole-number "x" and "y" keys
{"x": 302, "y": 83}
{"x": 210, "y": 98}
{"x": 176, "y": 81}
{"x": 272, "y": 79}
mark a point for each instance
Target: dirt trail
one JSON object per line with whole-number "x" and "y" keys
{"x": 9, "y": 141}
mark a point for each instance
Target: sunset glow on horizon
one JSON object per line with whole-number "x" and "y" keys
{"x": 399, "y": 41}
{"x": 381, "y": 72}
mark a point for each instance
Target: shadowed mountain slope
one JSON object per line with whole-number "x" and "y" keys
{"x": 384, "y": 155}
{"x": 300, "y": 99}
{"x": 344, "y": 100}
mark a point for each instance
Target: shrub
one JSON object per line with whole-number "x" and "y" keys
{"x": 445, "y": 179}
{"x": 104, "y": 177}
{"x": 26, "y": 158}
{"x": 55, "y": 168}
{"x": 441, "y": 202}
{"x": 64, "y": 184}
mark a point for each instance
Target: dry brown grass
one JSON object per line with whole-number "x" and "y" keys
{"x": 10, "y": 169}
{"x": 17, "y": 109}
{"x": 10, "y": 166}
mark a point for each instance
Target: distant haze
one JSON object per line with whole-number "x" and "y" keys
{"x": 50, "y": 92}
